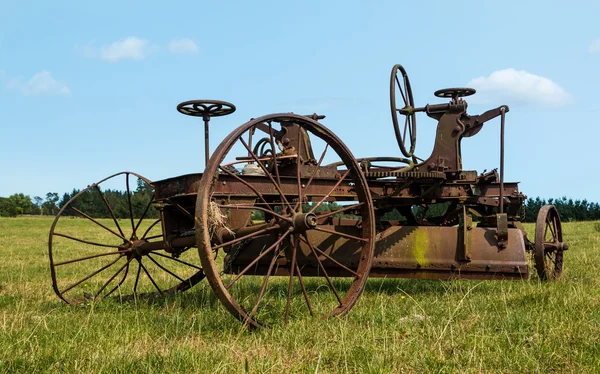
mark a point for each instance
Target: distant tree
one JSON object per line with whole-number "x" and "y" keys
{"x": 38, "y": 203}
{"x": 23, "y": 203}
{"x": 8, "y": 208}
{"x": 49, "y": 206}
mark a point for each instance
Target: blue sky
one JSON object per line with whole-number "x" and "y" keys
{"x": 90, "y": 89}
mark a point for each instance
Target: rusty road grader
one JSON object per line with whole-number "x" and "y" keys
{"x": 287, "y": 222}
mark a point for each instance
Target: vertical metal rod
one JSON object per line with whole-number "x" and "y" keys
{"x": 503, "y": 112}
{"x": 206, "y": 152}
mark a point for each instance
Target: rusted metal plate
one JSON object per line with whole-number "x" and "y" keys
{"x": 411, "y": 251}
{"x": 437, "y": 249}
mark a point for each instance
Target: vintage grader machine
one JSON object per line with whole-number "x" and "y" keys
{"x": 287, "y": 221}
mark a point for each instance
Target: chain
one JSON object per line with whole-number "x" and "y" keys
{"x": 237, "y": 247}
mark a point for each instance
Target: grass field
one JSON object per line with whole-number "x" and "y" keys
{"x": 397, "y": 325}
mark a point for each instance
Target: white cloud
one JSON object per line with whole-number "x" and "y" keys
{"x": 40, "y": 84}
{"x": 183, "y": 46}
{"x": 134, "y": 48}
{"x": 594, "y": 46}
{"x": 130, "y": 48}
{"x": 519, "y": 86}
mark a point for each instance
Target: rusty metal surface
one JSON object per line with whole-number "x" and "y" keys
{"x": 401, "y": 250}
{"x": 217, "y": 183}
{"x": 81, "y": 275}
{"x": 549, "y": 245}
{"x": 281, "y": 175}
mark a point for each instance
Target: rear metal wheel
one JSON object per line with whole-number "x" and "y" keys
{"x": 296, "y": 239}
{"x": 99, "y": 245}
{"x": 549, "y": 245}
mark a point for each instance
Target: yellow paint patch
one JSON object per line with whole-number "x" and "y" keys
{"x": 420, "y": 246}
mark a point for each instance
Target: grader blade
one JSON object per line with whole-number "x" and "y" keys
{"x": 437, "y": 252}
{"x": 401, "y": 252}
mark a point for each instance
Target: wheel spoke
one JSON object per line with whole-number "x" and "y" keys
{"x": 405, "y": 128}
{"x": 314, "y": 172}
{"x": 121, "y": 281}
{"x": 329, "y": 193}
{"x": 150, "y": 277}
{"x": 154, "y": 237}
{"x": 277, "y": 186}
{"x": 550, "y": 226}
{"x": 130, "y": 207}
{"x": 165, "y": 269}
{"x": 263, "y": 254}
{"x": 400, "y": 89}
{"x": 349, "y": 207}
{"x": 404, "y": 78}
{"x": 291, "y": 281}
{"x": 137, "y": 277}
{"x": 312, "y": 249}
{"x": 274, "y": 154}
{"x": 551, "y": 258}
{"x": 177, "y": 260}
{"x": 250, "y": 159}
{"x": 111, "y": 279}
{"x": 298, "y": 167}
{"x": 344, "y": 235}
{"x": 260, "y": 196}
{"x": 91, "y": 275}
{"x": 266, "y": 280}
{"x": 92, "y": 256}
{"x": 181, "y": 209}
{"x": 253, "y": 207}
{"x": 112, "y": 214}
{"x": 150, "y": 228}
{"x": 303, "y": 289}
{"x": 332, "y": 259}
{"x": 259, "y": 232}
{"x": 85, "y": 241}
{"x": 98, "y": 223}
{"x": 144, "y": 214}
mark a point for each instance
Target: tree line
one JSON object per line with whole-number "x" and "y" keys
{"x": 91, "y": 203}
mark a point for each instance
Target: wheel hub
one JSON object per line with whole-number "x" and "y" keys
{"x": 134, "y": 249}
{"x": 305, "y": 221}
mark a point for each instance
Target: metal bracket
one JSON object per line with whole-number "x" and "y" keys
{"x": 465, "y": 225}
{"x": 502, "y": 230}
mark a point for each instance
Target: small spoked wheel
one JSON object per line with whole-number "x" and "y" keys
{"x": 202, "y": 108}
{"x": 106, "y": 241}
{"x": 308, "y": 246}
{"x": 549, "y": 246}
{"x": 399, "y": 83}
{"x": 454, "y": 93}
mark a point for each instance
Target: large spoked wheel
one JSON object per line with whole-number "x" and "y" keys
{"x": 399, "y": 83}
{"x": 301, "y": 237}
{"x": 107, "y": 241}
{"x": 549, "y": 245}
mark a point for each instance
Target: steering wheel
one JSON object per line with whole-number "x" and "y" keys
{"x": 454, "y": 93}
{"x": 206, "y": 108}
{"x": 410, "y": 122}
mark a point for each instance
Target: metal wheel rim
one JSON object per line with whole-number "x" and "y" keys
{"x": 124, "y": 272}
{"x": 548, "y": 264}
{"x": 410, "y": 123}
{"x": 202, "y": 230}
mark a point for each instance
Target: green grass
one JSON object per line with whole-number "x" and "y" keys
{"x": 397, "y": 325}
